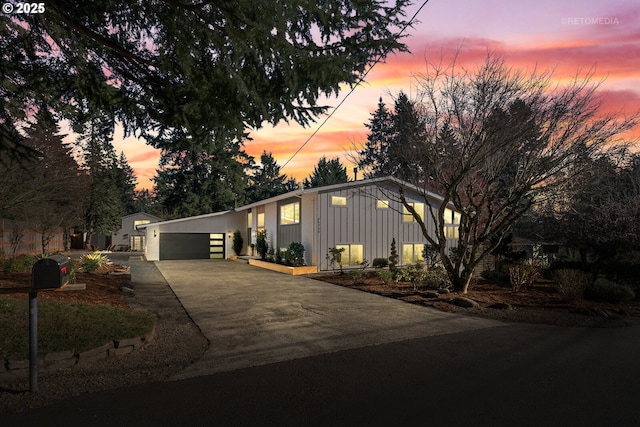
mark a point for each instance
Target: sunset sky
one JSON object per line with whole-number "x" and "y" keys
{"x": 567, "y": 35}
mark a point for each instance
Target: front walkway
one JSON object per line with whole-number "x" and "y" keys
{"x": 253, "y": 316}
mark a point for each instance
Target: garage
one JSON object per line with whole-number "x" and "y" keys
{"x": 191, "y": 246}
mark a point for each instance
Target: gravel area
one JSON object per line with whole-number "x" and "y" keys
{"x": 177, "y": 343}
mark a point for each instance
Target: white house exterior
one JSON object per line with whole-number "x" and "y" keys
{"x": 129, "y": 237}
{"x": 360, "y": 216}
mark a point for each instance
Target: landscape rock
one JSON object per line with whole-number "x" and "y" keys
{"x": 430, "y": 294}
{"x": 464, "y": 302}
{"x": 501, "y": 306}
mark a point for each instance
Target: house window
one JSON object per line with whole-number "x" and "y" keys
{"x": 352, "y": 255}
{"x": 407, "y": 216}
{"x": 290, "y": 213}
{"x": 260, "y": 218}
{"x": 136, "y": 243}
{"x": 338, "y": 201}
{"x": 138, "y": 222}
{"x": 412, "y": 252}
{"x": 382, "y": 204}
{"x": 451, "y": 224}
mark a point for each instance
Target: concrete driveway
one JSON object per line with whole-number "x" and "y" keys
{"x": 253, "y": 316}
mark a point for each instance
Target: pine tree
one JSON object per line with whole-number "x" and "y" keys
{"x": 266, "y": 181}
{"x": 327, "y": 172}
{"x": 191, "y": 182}
{"x": 164, "y": 67}
{"x": 374, "y": 157}
{"x": 125, "y": 180}
{"x": 408, "y": 134}
{"x": 103, "y": 206}
{"x": 49, "y": 184}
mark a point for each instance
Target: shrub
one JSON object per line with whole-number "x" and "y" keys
{"x": 335, "y": 257}
{"x": 279, "y": 256}
{"x": 294, "y": 256}
{"x": 380, "y": 262}
{"x": 271, "y": 254}
{"x": 623, "y": 268}
{"x": 393, "y": 258}
{"x": 608, "y": 291}
{"x": 497, "y": 276}
{"x": 261, "y": 244}
{"x": 18, "y": 263}
{"x": 436, "y": 278}
{"x": 385, "y": 275}
{"x": 238, "y": 242}
{"x": 94, "y": 261}
{"x": 522, "y": 275}
{"x": 571, "y": 284}
{"x": 356, "y": 275}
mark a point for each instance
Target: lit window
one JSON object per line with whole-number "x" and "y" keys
{"x": 412, "y": 252}
{"x": 260, "y": 220}
{"x": 452, "y": 231}
{"x": 338, "y": 201}
{"x": 290, "y": 213}
{"x": 140, "y": 222}
{"x": 451, "y": 224}
{"x": 382, "y": 204}
{"x": 249, "y": 218}
{"x": 407, "y": 216}
{"x": 352, "y": 255}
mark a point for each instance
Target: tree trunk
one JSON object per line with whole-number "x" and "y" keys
{"x": 460, "y": 281}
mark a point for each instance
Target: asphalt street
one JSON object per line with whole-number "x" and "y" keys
{"x": 516, "y": 375}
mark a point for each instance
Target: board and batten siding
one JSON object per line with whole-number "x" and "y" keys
{"x": 362, "y": 222}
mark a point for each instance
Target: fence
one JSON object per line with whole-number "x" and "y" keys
{"x": 30, "y": 241}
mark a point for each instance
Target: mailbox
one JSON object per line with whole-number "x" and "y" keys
{"x": 52, "y": 272}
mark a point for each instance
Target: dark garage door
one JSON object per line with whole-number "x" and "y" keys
{"x": 191, "y": 246}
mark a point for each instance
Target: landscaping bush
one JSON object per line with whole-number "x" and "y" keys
{"x": 280, "y": 256}
{"x": 18, "y": 263}
{"x": 550, "y": 273}
{"x": 393, "y": 258}
{"x": 385, "y": 275}
{"x": 436, "y": 278}
{"x": 294, "y": 256}
{"x": 608, "y": 291}
{"x": 496, "y": 276}
{"x": 357, "y": 275}
{"x": 238, "y": 242}
{"x": 335, "y": 257}
{"x": 261, "y": 244}
{"x": 571, "y": 284}
{"x": 522, "y": 275}
{"x": 94, "y": 261}
{"x": 623, "y": 268}
{"x": 380, "y": 262}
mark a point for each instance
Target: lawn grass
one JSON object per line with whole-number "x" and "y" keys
{"x": 66, "y": 326}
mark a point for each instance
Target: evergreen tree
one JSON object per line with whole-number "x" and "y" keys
{"x": 191, "y": 182}
{"x": 48, "y": 184}
{"x": 125, "y": 180}
{"x": 266, "y": 181}
{"x": 145, "y": 201}
{"x": 103, "y": 206}
{"x": 374, "y": 158}
{"x": 162, "y": 67}
{"x": 408, "y": 133}
{"x": 327, "y": 172}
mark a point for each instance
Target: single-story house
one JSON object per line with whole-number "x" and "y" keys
{"x": 360, "y": 216}
{"x": 129, "y": 237}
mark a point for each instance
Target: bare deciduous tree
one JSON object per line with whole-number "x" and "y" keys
{"x": 498, "y": 140}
